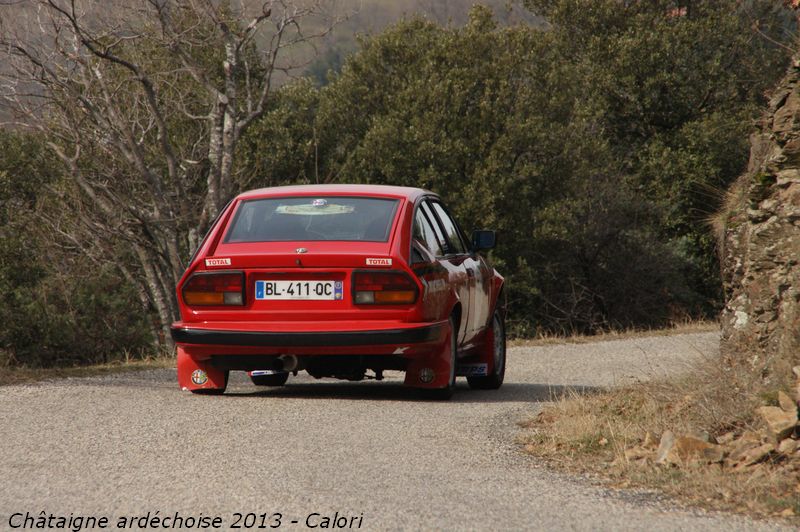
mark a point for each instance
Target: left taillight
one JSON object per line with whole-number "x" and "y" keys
{"x": 383, "y": 288}
{"x": 217, "y": 289}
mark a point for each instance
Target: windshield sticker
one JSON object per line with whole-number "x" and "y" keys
{"x": 318, "y": 207}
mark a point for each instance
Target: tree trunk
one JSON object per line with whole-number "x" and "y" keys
{"x": 157, "y": 295}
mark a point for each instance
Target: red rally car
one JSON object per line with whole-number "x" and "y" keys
{"x": 339, "y": 280}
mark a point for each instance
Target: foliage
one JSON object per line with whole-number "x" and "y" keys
{"x": 673, "y": 86}
{"x": 51, "y": 311}
{"x": 597, "y": 147}
{"x": 597, "y": 144}
{"x": 146, "y": 125}
{"x": 280, "y": 149}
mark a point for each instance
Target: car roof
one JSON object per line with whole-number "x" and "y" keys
{"x": 409, "y": 193}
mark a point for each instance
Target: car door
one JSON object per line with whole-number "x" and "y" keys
{"x": 482, "y": 294}
{"x": 481, "y": 274}
{"x": 463, "y": 263}
{"x": 427, "y": 252}
{"x": 443, "y": 275}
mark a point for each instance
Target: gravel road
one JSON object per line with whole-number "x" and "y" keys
{"x": 132, "y": 443}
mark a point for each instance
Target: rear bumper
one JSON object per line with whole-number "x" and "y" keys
{"x": 427, "y": 333}
{"x": 313, "y": 337}
{"x": 322, "y": 348}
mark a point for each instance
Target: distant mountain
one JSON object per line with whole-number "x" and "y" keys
{"x": 368, "y": 17}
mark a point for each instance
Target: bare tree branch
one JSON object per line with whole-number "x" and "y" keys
{"x": 144, "y": 103}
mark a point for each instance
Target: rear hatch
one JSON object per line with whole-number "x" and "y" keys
{"x": 299, "y": 256}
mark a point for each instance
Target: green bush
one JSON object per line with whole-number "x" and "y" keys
{"x": 598, "y": 147}
{"x": 57, "y": 306}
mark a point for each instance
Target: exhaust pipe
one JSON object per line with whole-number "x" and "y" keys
{"x": 286, "y": 363}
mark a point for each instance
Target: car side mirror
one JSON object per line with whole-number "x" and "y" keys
{"x": 483, "y": 239}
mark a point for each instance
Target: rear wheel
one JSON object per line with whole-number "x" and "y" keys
{"x": 277, "y": 378}
{"x": 497, "y": 337}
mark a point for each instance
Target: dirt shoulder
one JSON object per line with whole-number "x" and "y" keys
{"x": 12, "y": 375}
{"x": 693, "y": 432}
{"x": 676, "y": 330}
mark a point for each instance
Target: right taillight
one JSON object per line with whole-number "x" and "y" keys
{"x": 204, "y": 289}
{"x": 383, "y": 288}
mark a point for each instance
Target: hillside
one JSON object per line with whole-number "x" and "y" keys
{"x": 761, "y": 243}
{"x": 369, "y": 17}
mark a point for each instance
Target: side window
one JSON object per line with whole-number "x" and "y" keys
{"x": 426, "y": 208}
{"x": 449, "y": 226}
{"x": 425, "y": 234}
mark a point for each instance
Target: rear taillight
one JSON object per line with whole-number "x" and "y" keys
{"x": 383, "y": 288}
{"x": 214, "y": 289}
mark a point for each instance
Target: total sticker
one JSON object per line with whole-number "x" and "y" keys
{"x": 218, "y": 262}
{"x": 379, "y": 262}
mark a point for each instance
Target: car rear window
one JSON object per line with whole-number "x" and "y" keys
{"x": 313, "y": 218}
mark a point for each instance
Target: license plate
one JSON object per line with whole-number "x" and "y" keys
{"x": 300, "y": 290}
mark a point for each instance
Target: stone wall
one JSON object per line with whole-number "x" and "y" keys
{"x": 760, "y": 243}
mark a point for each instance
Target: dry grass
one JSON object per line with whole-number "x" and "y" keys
{"x": 22, "y": 375}
{"x": 590, "y": 433}
{"x": 732, "y": 201}
{"x": 678, "y": 328}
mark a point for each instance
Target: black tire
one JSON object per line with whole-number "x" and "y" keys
{"x": 213, "y": 391}
{"x": 275, "y": 379}
{"x": 495, "y": 380}
{"x": 443, "y": 394}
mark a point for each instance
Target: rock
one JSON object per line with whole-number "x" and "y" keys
{"x": 741, "y": 319}
{"x": 687, "y": 450}
{"x": 796, "y": 371}
{"x": 788, "y": 446}
{"x": 785, "y": 178}
{"x": 638, "y": 454}
{"x": 779, "y": 98}
{"x": 786, "y": 403}
{"x": 650, "y": 441}
{"x": 756, "y": 437}
{"x": 702, "y": 435}
{"x": 785, "y": 115}
{"x": 760, "y": 242}
{"x": 780, "y": 424}
{"x": 602, "y": 441}
{"x": 726, "y": 438}
{"x": 742, "y": 446}
{"x": 665, "y": 446}
{"x": 753, "y": 456}
{"x": 792, "y": 146}
{"x": 690, "y": 449}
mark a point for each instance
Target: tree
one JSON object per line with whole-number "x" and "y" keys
{"x": 144, "y": 104}
{"x": 597, "y": 147}
{"x": 50, "y": 311}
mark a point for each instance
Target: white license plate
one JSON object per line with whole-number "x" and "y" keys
{"x": 300, "y": 290}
